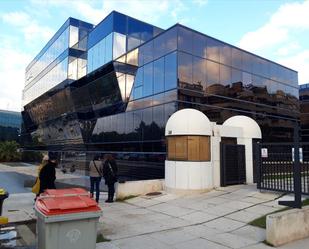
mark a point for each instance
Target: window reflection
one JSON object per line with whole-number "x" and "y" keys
{"x": 158, "y": 75}
{"x": 184, "y": 69}
{"x": 213, "y": 49}
{"x": 185, "y": 40}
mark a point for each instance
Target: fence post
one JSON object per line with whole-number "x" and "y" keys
{"x": 296, "y": 173}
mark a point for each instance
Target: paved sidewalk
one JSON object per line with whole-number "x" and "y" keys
{"x": 214, "y": 220}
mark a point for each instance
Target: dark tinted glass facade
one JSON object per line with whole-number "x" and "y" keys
{"x": 122, "y": 104}
{"x": 10, "y": 123}
{"x": 304, "y": 111}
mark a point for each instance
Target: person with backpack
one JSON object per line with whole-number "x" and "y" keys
{"x": 110, "y": 171}
{"x": 95, "y": 173}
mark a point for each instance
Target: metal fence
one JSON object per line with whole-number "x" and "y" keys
{"x": 275, "y": 166}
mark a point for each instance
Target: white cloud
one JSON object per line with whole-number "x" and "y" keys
{"x": 288, "y": 49}
{"x": 11, "y": 74}
{"x": 282, "y": 38}
{"x": 286, "y": 20}
{"x": 31, "y": 30}
{"x": 299, "y": 62}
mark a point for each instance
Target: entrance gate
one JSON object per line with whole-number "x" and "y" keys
{"x": 276, "y": 167}
{"x": 233, "y": 164}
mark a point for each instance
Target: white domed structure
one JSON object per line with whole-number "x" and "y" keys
{"x": 250, "y": 127}
{"x": 188, "y": 122}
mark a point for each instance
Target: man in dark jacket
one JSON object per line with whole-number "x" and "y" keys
{"x": 110, "y": 172}
{"x": 48, "y": 174}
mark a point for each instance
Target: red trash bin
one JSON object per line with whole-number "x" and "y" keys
{"x": 67, "y": 219}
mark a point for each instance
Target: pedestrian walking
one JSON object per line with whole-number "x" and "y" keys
{"x": 95, "y": 173}
{"x": 47, "y": 174}
{"x": 36, "y": 187}
{"x": 110, "y": 172}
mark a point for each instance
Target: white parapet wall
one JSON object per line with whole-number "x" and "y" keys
{"x": 187, "y": 175}
{"x": 287, "y": 226}
{"x": 136, "y": 188}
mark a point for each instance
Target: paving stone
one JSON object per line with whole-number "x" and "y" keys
{"x": 232, "y": 240}
{"x": 201, "y": 231}
{"x": 220, "y": 210}
{"x": 106, "y": 245}
{"x": 171, "y": 210}
{"x": 251, "y": 232}
{"x": 238, "y": 205}
{"x": 172, "y": 237}
{"x": 140, "y": 242}
{"x": 216, "y": 200}
{"x": 261, "y": 209}
{"x": 224, "y": 224}
{"x": 199, "y": 217}
{"x": 260, "y": 246}
{"x": 253, "y": 200}
{"x": 198, "y": 244}
{"x": 244, "y": 216}
{"x": 146, "y": 203}
{"x": 174, "y": 222}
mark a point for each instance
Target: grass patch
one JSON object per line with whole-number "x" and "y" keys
{"x": 126, "y": 198}
{"x": 101, "y": 238}
{"x": 261, "y": 221}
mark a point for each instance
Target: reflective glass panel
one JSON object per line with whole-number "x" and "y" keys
{"x": 225, "y": 75}
{"x": 247, "y": 61}
{"x": 109, "y": 48}
{"x": 236, "y": 76}
{"x": 185, "y": 40}
{"x": 212, "y": 72}
{"x": 133, "y": 42}
{"x": 148, "y": 80}
{"x": 148, "y": 52}
{"x": 119, "y": 47}
{"x": 184, "y": 68}
{"x": 226, "y": 54}
{"x": 170, "y": 71}
{"x": 213, "y": 49}
{"x": 236, "y": 58}
{"x": 73, "y": 36}
{"x": 158, "y": 75}
{"x": 199, "y": 45}
{"x": 199, "y": 72}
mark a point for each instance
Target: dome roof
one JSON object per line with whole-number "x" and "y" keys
{"x": 250, "y": 128}
{"x": 188, "y": 122}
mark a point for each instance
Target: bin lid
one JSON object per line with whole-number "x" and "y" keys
{"x": 65, "y": 201}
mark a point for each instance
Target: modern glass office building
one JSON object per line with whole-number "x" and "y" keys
{"x": 10, "y": 123}
{"x": 137, "y": 76}
{"x": 304, "y": 111}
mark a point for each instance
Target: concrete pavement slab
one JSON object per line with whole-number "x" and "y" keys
{"x": 261, "y": 209}
{"x": 251, "y": 232}
{"x": 140, "y": 242}
{"x": 232, "y": 240}
{"x": 243, "y": 216}
{"x": 171, "y": 210}
{"x": 224, "y": 224}
{"x": 198, "y": 244}
{"x": 201, "y": 231}
{"x": 106, "y": 245}
{"x": 173, "y": 237}
{"x": 199, "y": 217}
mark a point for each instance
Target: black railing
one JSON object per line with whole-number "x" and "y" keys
{"x": 276, "y": 167}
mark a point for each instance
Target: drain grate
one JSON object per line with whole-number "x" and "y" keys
{"x": 153, "y": 193}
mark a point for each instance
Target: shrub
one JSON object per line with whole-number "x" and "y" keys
{"x": 9, "y": 152}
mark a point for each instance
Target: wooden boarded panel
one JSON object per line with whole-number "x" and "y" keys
{"x": 171, "y": 148}
{"x": 181, "y": 148}
{"x": 193, "y": 148}
{"x": 205, "y": 154}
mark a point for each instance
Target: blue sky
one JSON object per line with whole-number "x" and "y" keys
{"x": 274, "y": 29}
